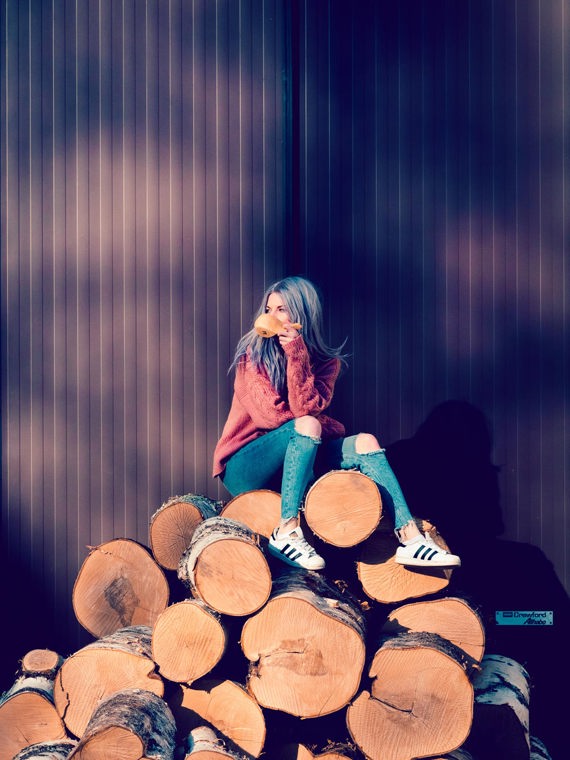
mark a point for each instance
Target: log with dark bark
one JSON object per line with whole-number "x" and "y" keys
{"x": 131, "y": 724}
{"x": 300, "y": 752}
{"x": 122, "y": 660}
{"x": 227, "y": 707}
{"x": 119, "y": 585}
{"x": 343, "y": 507}
{"x": 173, "y": 524}
{"x": 188, "y": 640}
{"x": 453, "y": 618}
{"x": 457, "y": 754}
{"x": 203, "y": 743}
{"x": 420, "y": 702}
{"x": 384, "y": 580}
{"x": 226, "y": 568}
{"x": 306, "y": 647}
{"x": 53, "y": 750}
{"x": 260, "y": 510}
{"x": 501, "y": 715}
{"x": 538, "y": 749}
{"x": 27, "y": 711}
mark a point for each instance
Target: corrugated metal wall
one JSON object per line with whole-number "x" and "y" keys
{"x": 156, "y": 174}
{"x": 142, "y": 214}
{"x": 433, "y": 208}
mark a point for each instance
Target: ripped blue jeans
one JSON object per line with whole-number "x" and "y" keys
{"x": 285, "y": 461}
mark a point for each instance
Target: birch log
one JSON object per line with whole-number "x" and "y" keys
{"x": 173, "y": 524}
{"x": 27, "y": 710}
{"x": 306, "y": 647}
{"x": 203, "y": 743}
{"x": 420, "y": 703}
{"x": 390, "y": 583}
{"x": 132, "y": 724}
{"x": 225, "y": 567}
{"x": 343, "y": 507}
{"x": 538, "y": 750}
{"x": 122, "y": 660}
{"x": 119, "y": 585}
{"x": 52, "y": 750}
{"x": 188, "y": 640}
{"x": 501, "y": 718}
{"x": 301, "y": 752}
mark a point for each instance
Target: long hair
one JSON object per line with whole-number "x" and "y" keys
{"x": 302, "y": 300}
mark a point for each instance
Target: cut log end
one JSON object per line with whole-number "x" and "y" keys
{"x": 260, "y": 510}
{"x": 388, "y": 582}
{"x": 343, "y": 507}
{"x": 188, "y": 640}
{"x": 119, "y": 585}
{"x": 306, "y": 658}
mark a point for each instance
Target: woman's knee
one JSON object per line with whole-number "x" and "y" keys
{"x": 309, "y": 426}
{"x": 366, "y": 443}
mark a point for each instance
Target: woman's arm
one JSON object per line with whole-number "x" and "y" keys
{"x": 309, "y": 392}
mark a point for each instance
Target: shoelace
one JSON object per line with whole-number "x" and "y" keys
{"x": 430, "y": 542}
{"x": 301, "y": 543}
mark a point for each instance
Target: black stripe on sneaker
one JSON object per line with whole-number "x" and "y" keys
{"x": 290, "y": 552}
{"x": 425, "y": 553}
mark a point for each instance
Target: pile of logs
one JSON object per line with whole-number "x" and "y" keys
{"x": 367, "y": 659}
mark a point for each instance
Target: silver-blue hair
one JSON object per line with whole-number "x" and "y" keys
{"x": 303, "y": 302}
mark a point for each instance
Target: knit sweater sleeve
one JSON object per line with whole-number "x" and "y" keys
{"x": 310, "y": 390}
{"x": 266, "y": 408}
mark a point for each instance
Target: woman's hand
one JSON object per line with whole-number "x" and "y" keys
{"x": 287, "y": 334}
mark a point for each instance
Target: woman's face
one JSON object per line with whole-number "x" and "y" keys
{"x": 276, "y": 307}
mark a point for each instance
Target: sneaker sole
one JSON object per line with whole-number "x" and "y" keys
{"x": 426, "y": 562}
{"x": 284, "y": 558}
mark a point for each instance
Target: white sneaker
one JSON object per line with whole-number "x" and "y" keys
{"x": 424, "y": 552}
{"x": 293, "y": 548}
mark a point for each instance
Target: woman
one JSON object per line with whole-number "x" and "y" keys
{"x": 277, "y": 424}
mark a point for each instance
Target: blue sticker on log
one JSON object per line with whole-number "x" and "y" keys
{"x": 524, "y": 617}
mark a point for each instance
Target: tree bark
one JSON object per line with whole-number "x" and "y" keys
{"x": 52, "y": 750}
{"x": 205, "y": 744}
{"x": 343, "y": 507}
{"x": 225, "y": 567}
{"x": 388, "y": 582}
{"x": 450, "y": 617}
{"x": 227, "y": 707}
{"x": 173, "y": 524}
{"x": 119, "y": 585}
{"x": 188, "y": 640}
{"x": 132, "y": 724}
{"x": 122, "y": 660}
{"x": 28, "y": 714}
{"x": 501, "y": 716}
{"x": 300, "y": 752}
{"x": 260, "y": 510}
{"x": 538, "y": 750}
{"x": 306, "y": 647}
{"x": 420, "y": 703}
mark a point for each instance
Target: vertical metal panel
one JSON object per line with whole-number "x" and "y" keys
{"x": 433, "y": 213}
{"x": 142, "y": 215}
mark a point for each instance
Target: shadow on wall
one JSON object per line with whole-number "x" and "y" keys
{"x": 447, "y": 474}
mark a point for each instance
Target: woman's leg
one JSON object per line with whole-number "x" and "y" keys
{"x": 287, "y": 541}
{"x": 364, "y": 453}
{"x": 293, "y": 448}
{"x": 258, "y": 463}
{"x": 298, "y": 467}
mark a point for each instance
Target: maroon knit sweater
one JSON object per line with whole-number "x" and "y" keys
{"x": 257, "y": 407}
